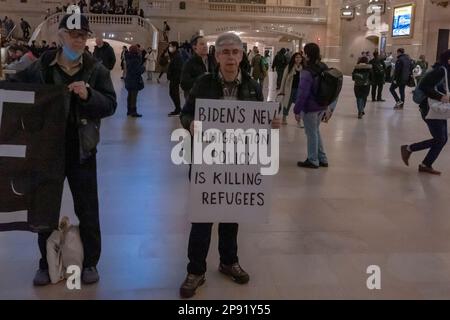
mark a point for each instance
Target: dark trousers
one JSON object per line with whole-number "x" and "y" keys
{"x": 401, "y": 88}
{"x": 200, "y": 239}
{"x": 174, "y": 92}
{"x": 438, "y": 130}
{"x": 377, "y": 91}
{"x": 26, "y": 34}
{"x": 279, "y": 78}
{"x": 132, "y": 101}
{"x": 82, "y": 180}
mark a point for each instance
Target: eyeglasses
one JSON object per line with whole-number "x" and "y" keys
{"x": 75, "y": 34}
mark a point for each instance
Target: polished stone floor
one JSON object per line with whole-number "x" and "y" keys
{"x": 326, "y": 226}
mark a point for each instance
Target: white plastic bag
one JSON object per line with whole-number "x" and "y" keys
{"x": 439, "y": 110}
{"x": 64, "y": 248}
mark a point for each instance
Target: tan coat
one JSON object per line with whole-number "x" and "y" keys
{"x": 286, "y": 85}
{"x": 150, "y": 61}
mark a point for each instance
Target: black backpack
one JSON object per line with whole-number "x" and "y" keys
{"x": 329, "y": 86}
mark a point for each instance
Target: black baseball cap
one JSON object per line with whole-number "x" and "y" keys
{"x": 84, "y": 23}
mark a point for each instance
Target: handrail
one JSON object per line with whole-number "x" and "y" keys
{"x": 9, "y": 35}
{"x": 94, "y": 19}
{"x": 235, "y": 8}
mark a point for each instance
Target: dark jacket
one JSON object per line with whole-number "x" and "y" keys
{"x": 135, "y": 69}
{"x": 105, "y": 55}
{"x": 362, "y": 76}
{"x": 101, "y": 102}
{"x": 378, "y": 70}
{"x": 307, "y": 89}
{"x": 193, "y": 69}
{"x": 175, "y": 67}
{"x": 403, "y": 69}
{"x": 280, "y": 62}
{"x": 429, "y": 83}
{"x": 209, "y": 86}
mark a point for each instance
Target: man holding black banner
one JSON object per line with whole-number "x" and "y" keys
{"x": 230, "y": 83}
{"x": 90, "y": 96}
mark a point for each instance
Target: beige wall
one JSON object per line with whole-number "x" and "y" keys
{"x": 428, "y": 19}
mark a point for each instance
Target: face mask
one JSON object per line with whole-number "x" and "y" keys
{"x": 70, "y": 54}
{"x": 171, "y": 50}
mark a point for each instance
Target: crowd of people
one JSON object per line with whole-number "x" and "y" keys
{"x": 224, "y": 71}
{"x": 100, "y": 7}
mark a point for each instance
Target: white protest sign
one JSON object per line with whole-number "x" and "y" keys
{"x": 232, "y": 169}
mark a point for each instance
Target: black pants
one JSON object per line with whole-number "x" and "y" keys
{"x": 132, "y": 101}
{"x": 174, "y": 92}
{"x": 200, "y": 239}
{"x": 26, "y": 34}
{"x": 82, "y": 180}
{"x": 279, "y": 78}
{"x": 377, "y": 91}
{"x": 401, "y": 88}
{"x": 438, "y": 130}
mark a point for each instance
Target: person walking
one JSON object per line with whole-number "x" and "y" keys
{"x": 174, "y": 77}
{"x": 362, "y": 76}
{"x": 402, "y": 74}
{"x": 434, "y": 86}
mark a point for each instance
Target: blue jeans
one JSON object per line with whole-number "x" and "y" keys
{"x": 361, "y": 104}
{"x": 316, "y": 152}
{"x": 438, "y": 129}
{"x": 401, "y": 88}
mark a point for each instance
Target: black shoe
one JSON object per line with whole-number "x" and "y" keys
{"x": 41, "y": 278}
{"x": 136, "y": 115}
{"x": 235, "y": 272}
{"x": 360, "y": 115}
{"x": 174, "y": 114}
{"x": 381, "y": 100}
{"x": 307, "y": 164}
{"x": 90, "y": 275}
{"x": 324, "y": 164}
{"x": 405, "y": 154}
{"x": 190, "y": 285}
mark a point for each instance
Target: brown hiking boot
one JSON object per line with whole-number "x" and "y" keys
{"x": 191, "y": 284}
{"x": 235, "y": 272}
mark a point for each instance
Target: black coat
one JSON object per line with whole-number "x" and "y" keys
{"x": 379, "y": 70}
{"x": 101, "y": 102}
{"x": 193, "y": 69}
{"x": 403, "y": 69}
{"x": 429, "y": 83}
{"x": 135, "y": 69}
{"x": 175, "y": 68}
{"x": 209, "y": 86}
{"x": 105, "y": 55}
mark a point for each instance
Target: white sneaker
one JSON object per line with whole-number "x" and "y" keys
{"x": 300, "y": 124}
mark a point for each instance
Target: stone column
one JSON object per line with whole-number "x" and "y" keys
{"x": 332, "y": 43}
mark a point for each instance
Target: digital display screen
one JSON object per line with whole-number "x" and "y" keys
{"x": 402, "y": 21}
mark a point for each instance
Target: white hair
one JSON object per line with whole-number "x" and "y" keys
{"x": 228, "y": 38}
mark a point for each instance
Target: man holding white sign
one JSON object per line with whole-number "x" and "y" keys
{"x": 227, "y": 83}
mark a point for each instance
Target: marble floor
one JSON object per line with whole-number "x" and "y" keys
{"x": 326, "y": 226}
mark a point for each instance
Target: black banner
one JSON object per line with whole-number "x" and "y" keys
{"x": 32, "y": 135}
